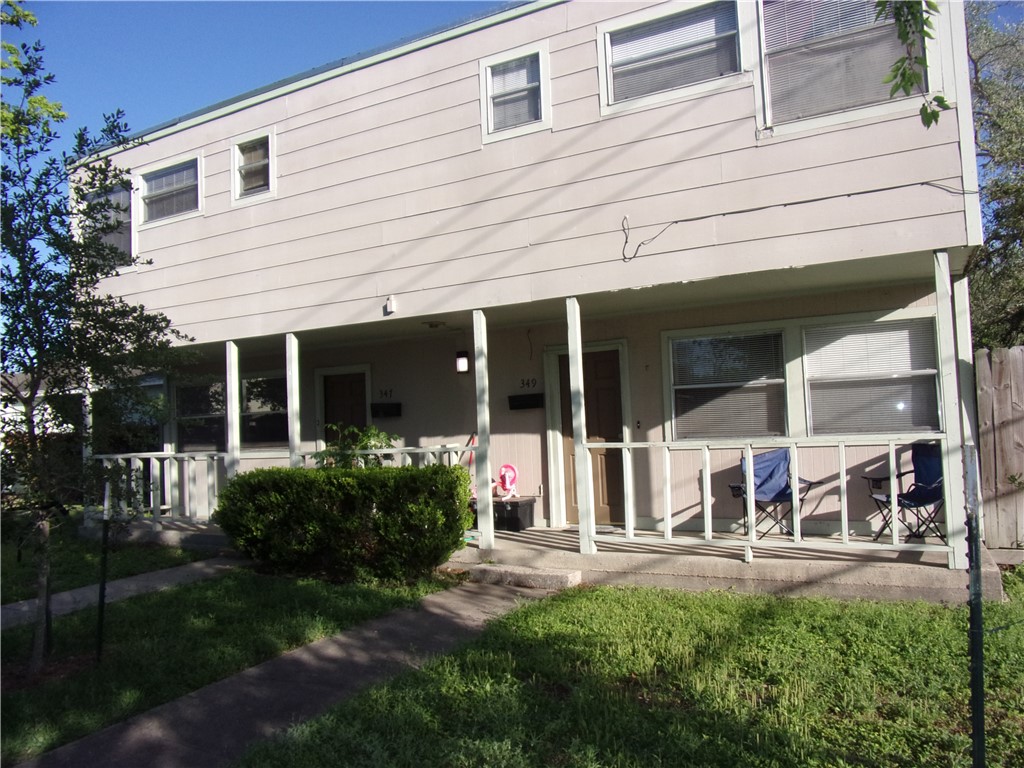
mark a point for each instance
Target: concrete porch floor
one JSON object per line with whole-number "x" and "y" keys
{"x": 881, "y": 575}
{"x": 847, "y": 574}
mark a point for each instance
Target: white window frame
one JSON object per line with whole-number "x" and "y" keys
{"x": 879, "y": 377}
{"x": 540, "y": 50}
{"x": 937, "y": 56}
{"x": 798, "y": 406}
{"x": 237, "y": 195}
{"x": 712, "y": 333}
{"x": 746, "y": 26}
{"x": 250, "y": 449}
{"x": 140, "y": 192}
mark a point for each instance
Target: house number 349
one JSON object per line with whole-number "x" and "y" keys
{"x": 528, "y": 383}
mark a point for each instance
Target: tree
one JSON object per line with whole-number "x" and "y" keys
{"x": 913, "y": 26}
{"x": 996, "y": 53}
{"x": 62, "y": 334}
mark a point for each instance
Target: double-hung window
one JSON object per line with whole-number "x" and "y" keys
{"x": 252, "y": 160}
{"x": 515, "y": 95}
{"x": 116, "y": 210}
{"x": 201, "y": 410}
{"x": 873, "y": 378}
{"x": 825, "y": 56}
{"x": 171, "y": 191}
{"x": 728, "y": 386}
{"x": 672, "y": 51}
{"x": 264, "y": 401}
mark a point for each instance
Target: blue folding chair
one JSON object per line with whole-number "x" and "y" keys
{"x": 773, "y": 495}
{"x": 919, "y": 505}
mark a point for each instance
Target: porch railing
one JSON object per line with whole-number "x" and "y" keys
{"x": 710, "y": 527}
{"x": 167, "y": 486}
{"x": 163, "y": 485}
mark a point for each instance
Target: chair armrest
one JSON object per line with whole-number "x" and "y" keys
{"x": 738, "y": 490}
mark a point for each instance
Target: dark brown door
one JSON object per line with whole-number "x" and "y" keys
{"x": 344, "y": 401}
{"x": 602, "y": 392}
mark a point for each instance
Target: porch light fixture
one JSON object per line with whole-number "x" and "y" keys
{"x": 462, "y": 362}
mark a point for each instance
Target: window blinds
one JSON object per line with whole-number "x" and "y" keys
{"x": 826, "y": 56}
{"x": 875, "y": 378}
{"x": 674, "y": 51}
{"x": 515, "y": 93}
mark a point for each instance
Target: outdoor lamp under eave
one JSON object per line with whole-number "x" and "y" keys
{"x": 462, "y": 362}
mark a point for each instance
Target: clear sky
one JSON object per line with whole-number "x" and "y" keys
{"x": 158, "y": 60}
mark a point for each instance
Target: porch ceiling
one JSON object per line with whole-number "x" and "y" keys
{"x": 767, "y": 285}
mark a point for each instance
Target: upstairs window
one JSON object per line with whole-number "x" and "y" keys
{"x": 874, "y": 378}
{"x": 825, "y": 56}
{"x": 729, "y": 386}
{"x": 171, "y": 191}
{"x": 252, "y": 160}
{"x": 514, "y": 93}
{"x": 672, "y": 51}
{"x": 117, "y": 210}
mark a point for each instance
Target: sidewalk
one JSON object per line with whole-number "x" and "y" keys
{"x": 61, "y": 603}
{"x": 214, "y": 726}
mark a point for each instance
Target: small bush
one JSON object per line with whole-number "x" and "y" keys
{"x": 385, "y": 523}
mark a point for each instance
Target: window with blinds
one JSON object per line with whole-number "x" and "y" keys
{"x": 673, "y": 51}
{"x": 874, "y": 378}
{"x": 171, "y": 191}
{"x": 254, "y": 167}
{"x": 515, "y": 93}
{"x": 732, "y": 386}
{"x": 117, "y": 210}
{"x": 825, "y": 56}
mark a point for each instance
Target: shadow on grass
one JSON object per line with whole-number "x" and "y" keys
{"x": 605, "y": 677}
{"x": 163, "y": 646}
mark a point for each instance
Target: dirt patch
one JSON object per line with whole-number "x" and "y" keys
{"x": 15, "y": 677}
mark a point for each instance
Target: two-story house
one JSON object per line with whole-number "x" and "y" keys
{"x": 622, "y": 246}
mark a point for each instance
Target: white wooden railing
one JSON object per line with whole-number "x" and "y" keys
{"x": 712, "y": 531}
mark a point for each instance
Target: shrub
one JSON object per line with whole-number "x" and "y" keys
{"x": 382, "y": 522}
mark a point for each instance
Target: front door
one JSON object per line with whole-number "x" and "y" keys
{"x": 344, "y": 402}
{"x": 602, "y": 391}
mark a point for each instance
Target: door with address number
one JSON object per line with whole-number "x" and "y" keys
{"x": 602, "y": 391}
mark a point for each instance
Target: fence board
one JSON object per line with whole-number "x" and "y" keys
{"x": 1000, "y": 384}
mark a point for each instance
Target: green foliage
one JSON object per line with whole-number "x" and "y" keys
{"x": 996, "y": 52}
{"x": 914, "y": 24}
{"x": 640, "y": 677}
{"x": 166, "y": 645}
{"x": 382, "y": 522}
{"x": 348, "y": 448}
{"x": 63, "y": 335}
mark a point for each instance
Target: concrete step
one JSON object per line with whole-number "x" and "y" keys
{"x": 525, "y": 576}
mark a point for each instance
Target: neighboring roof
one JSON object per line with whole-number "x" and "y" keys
{"x": 509, "y": 10}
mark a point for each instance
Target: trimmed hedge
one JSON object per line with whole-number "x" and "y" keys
{"x": 386, "y": 523}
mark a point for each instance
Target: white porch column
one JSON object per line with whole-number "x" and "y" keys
{"x": 584, "y": 466}
{"x": 953, "y": 466}
{"x": 233, "y": 407}
{"x": 291, "y": 354}
{"x": 968, "y": 389}
{"x": 484, "y": 505}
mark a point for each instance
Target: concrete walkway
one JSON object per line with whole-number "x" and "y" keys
{"x": 215, "y": 725}
{"x": 61, "y": 603}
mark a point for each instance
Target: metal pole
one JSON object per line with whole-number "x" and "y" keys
{"x": 976, "y": 635}
{"x": 101, "y": 607}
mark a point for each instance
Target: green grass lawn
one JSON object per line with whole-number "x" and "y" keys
{"x": 648, "y": 678}
{"x": 76, "y": 562}
{"x": 165, "y": 645}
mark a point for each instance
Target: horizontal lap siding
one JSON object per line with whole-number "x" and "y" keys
{"x": 384, "y": 187}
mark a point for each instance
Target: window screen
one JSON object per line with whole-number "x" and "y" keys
{"x": 674, "y": 51}
{"x": 515, "y": 92}
{"x": 826, "y": 56}
{"x": 874, "y": 378}
{"x": 729, "y": 386}
{"x": 171, "y": 191}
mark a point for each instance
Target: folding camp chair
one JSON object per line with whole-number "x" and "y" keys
{"x": 918, "y": 506}
{"x": 773, "y": 496}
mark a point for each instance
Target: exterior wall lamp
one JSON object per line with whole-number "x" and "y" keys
{"x": 462, "y": 362}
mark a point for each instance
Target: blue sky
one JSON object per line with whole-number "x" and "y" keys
{"x": 158, "y": 60}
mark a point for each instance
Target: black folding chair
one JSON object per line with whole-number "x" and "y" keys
{"x": 773, "y": 495}
{"x": 918, "y": 506}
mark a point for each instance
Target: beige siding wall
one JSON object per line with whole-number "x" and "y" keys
{"x": 384, "y": 187}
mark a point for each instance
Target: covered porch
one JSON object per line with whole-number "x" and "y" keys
{"x": 669, "y": 487}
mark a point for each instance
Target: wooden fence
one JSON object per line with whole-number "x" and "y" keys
{"x": 1000, "y": 377}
